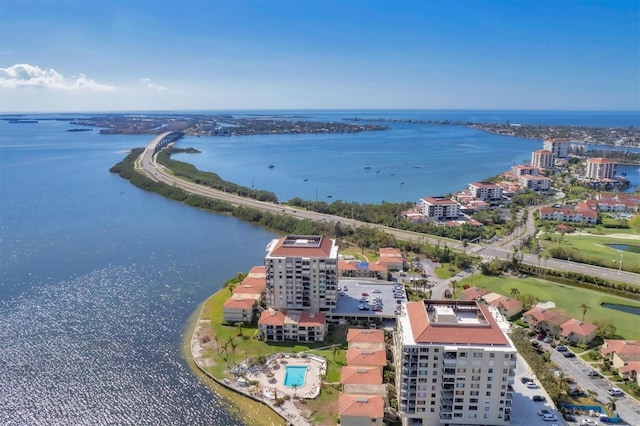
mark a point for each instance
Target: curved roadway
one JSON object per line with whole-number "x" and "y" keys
{"x": 147, "y": 163}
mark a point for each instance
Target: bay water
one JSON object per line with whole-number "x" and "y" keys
{"x": 98, "y": 279}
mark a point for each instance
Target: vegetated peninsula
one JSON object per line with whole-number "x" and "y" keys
{"x": 216, "y": 125}
{"x": 613, "y": 136}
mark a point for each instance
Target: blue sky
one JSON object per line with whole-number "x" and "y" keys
{"x": 115, "y": 55}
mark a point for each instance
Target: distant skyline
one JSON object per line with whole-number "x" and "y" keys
{"x": 75, "y": 55}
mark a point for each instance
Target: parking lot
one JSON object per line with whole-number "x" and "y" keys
{"x": 524, "y": 410}
{"x": 361, "y": 297}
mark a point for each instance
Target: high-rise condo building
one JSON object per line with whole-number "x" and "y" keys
{"x": 302, "y": 273}
{"x": 455, "y": 364}
{"x": 600, "y": 168}
{"x": 542, "y": 159}
{"x": 558, "y": 147}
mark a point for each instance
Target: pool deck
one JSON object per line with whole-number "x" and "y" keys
{"x": 271, "y": 376}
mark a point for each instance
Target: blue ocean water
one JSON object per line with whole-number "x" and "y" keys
{"x": 98, "y": 278}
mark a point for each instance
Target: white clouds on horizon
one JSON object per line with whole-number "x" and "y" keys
{"x": 25, "y": 75}
{"x": 151, "y": 85}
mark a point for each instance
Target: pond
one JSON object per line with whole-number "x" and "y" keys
{"x": 625, "y": 247}
{"x": 635, "y": 310}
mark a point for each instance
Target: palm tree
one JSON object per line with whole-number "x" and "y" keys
{"x": 295, "y": 388}
{"x": 584, "y": 308}
{"x": 233, "y": 345}
{"x": 611, "y": 405}
{"x": 515, "y": 292}
{"x": 334, "y": 351}
{"x": 240, "y": 325}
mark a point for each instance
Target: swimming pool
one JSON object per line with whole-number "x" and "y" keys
{"x": 295, "y": 375}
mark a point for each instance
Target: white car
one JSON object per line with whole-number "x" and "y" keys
{"x": 549, "y": 418}
{"x": 615, "y": 392}
{"x": 589, "y": 422}
{"x": 376, "y": 291}
{"x": 532, "y": 385}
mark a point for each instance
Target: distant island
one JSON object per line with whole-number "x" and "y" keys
{"x": 215, "y": 125}
{"x": 613, "y": 136}
{"x": 80, "y": 130}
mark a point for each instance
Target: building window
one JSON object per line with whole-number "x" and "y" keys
{"x": 488, "y": 394}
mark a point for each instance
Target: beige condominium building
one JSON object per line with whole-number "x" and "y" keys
{"x": 302, "y": 273}
{"x": 455, "y": 364}
{"x": 600, "y": 168}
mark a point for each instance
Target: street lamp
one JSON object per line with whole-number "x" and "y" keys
{"x": 621, "y": 256}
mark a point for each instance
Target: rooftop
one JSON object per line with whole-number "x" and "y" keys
{"x": 302, "y": 246}
{"x": 453, "y": 322}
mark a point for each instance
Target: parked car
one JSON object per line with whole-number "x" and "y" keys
{"x": 592, "y": 373}
{"x": 549, "y": 418}
{"x": 576, "y": 392}
{"x": 589, "y": 422}
{"x": 364, "y": 294}
{"x": 539, "y": 398}
{"x": 570, "y": 417}
{"x": 561, "y": 348}
{"x": 376, "y": 291}
{"x": 532, "y": 385}
{"x": 526, "y": 380}
{"x": 569, "y": 355}
{"x": 547, "y": 340}
{"x": 543, "y": 412}
{"x": 615, "y": 392}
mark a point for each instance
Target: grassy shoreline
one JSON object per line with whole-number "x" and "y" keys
{"x": 247, "y": 410}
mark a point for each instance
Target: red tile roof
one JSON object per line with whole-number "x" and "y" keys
{"x": 577, "y": 327}
{"x": 312, "y": 319}
{"x": 271, "y": 317}
{"x": 441, "y": 201}
{"x": 283, "y": 249}
{"x": 424, "y": 331}
{"x": 541, "y": 314}
{"x": 364, "y": 357}
{"x": 232, "y": 303}
{"x": 472, "y": 293}
{"x": 358, "y": 405}
{"x": 621, "y": 347}
{"x": 365, "y": 335}
{"x": 360, "y": 375}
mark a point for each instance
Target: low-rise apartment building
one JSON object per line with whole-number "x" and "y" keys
{"x": 486, "y": 191}
{"x": 534, "y": 182}
{"x": 292, "y": 325}
{"x": 439, "y": 208}
{"x": 455, "y": 364}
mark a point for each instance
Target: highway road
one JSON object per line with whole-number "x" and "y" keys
{"x": 147, "y": 163}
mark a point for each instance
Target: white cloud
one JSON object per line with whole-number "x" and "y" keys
{"x": 25, "y": 75}
{"x": 151, "y": 85}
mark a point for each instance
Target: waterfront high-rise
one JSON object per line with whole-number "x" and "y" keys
{"x": 302, "y": 273}
{"x": 455, "y": 364}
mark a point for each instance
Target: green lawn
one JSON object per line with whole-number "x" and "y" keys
{"x": 249, "y": 347}
{"x": 567, "y": 299}
{"x": 596, "y": 246}
{"x": 446, "y": 270}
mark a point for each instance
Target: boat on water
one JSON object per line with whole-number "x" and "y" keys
{"x": 401, "y": 182}
{"x": 271, "y": 166}
{"x": 329, "y": 196}
{"x": 367, "y": 167}
{"x": 416, "y": 167}
{"x": 306, "y": 179}
{"x": 392, "y": 174}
